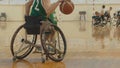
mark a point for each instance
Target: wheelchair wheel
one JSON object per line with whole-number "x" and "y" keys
{"x": 55, "y": 49}
{"x": 19, "y": 48}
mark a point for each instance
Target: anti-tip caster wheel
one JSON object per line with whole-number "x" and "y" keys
{"x": 43, "y": 60}
{"x": 14, "y": 59}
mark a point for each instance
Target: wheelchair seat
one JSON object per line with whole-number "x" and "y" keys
{"x": 32, "y": 24}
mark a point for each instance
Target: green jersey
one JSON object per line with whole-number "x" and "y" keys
{"x": 38, "y": 10}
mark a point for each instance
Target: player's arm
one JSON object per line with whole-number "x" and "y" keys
{"x": 102, "y": 13}
{"x": 49, "y": 8}
{"x": 27, "y": 7}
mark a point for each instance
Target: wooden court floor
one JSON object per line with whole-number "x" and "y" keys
{"x": 96, "y": 47}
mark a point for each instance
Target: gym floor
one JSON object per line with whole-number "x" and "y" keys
{"x": 96, "y": 48}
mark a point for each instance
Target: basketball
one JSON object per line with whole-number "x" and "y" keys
{"x": 67, "y": 7}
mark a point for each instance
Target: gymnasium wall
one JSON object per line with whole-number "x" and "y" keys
{"x": 16, "y": 12}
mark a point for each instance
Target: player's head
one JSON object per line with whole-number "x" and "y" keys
{"x": 97, "y": 13}
{"x": 103, "y": 6}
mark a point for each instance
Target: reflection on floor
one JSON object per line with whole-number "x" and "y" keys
{"x": 99, "y": 33}
{"x": 117, "y": 33}
{"x": 72, "y": 60}
{"x": 27, "y": 64}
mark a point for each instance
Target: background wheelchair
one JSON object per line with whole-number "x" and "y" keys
{"x": 118, "y": 19}
{"x": 25, "y": 37}
{"x": 99, "y": 21}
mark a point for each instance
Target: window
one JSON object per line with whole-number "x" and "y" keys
{"x": 4, "y": 1}
{"x": 74, "y": 1}
{"x": 79, "y": 1}
{"x": 103, "y": 1}
{"x": 13, "y": 1}
{"x": 18, "y": 1}
{"x": 114, "y": 1}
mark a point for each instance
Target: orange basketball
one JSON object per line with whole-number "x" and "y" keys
{"x": 66, "y": 7}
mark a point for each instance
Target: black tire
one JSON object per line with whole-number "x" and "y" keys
{"x": 16, "y": 39}
{"x": 56, "y": 55}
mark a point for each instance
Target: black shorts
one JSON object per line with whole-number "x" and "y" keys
{"x": 32, "y": 24}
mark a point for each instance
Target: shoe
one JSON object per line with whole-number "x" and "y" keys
{"x": 51, "y": 47}
{"x": 51, "y": 50}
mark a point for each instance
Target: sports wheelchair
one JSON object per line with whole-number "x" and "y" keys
{"x": 97, "y": 21}
{"x": 24, "y": 39}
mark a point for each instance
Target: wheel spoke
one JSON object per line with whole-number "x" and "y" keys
{"x": 22, "y": 49}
